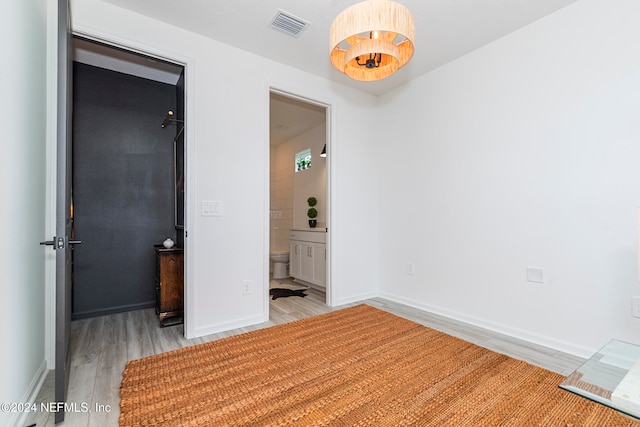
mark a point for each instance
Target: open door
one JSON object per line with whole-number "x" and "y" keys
{"x": 62, "y": 242}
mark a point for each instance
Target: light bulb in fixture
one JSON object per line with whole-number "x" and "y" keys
{"x": 372, "y": 40}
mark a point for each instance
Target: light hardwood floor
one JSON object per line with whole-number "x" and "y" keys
{"x": 101, "y": 346}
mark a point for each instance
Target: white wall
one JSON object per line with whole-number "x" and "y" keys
{"x": 290, "y": 190}
{"x": 228, "y": 159}
{"x": 522, "y": 153}
{"x": 310, "y": 182}
{"x": 22, "y": 168}
{"x": 518, "y": 154}
{"x": 281, "y": 189}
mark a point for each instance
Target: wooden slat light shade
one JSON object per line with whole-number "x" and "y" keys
{"x": 368, "y": 28}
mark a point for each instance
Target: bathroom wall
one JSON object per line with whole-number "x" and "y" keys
{"x": 310, "y": 182}
{"x": 290, "y": 190}
{"x": 281, "y": 193}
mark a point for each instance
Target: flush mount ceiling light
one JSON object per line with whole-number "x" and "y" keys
{"x": 372, "y": 40}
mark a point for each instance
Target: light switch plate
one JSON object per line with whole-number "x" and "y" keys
{"x": 211, "y": 208}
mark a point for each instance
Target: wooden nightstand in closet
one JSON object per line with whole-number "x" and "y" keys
{"x": 169, "y": 283}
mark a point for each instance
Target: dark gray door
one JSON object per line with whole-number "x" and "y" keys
{"x": 63, "y": 241}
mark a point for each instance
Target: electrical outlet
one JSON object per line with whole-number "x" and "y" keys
{"x": 635, "y": 306}
{"x": 247, "y": 287}
{"x": 535, "y": 274}
{"x": 410, "y": 269}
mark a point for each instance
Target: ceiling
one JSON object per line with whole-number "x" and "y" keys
{"x": 291, "y": 117}
{"x": 445, "y": 29}
{"x": 110, "y": 58}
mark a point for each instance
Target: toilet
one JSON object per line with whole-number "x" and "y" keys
{"x": 280, "y": 260}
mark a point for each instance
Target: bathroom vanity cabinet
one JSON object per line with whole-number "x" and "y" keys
{"x": 169, "y": 283}
{"x": 308, "y": 257}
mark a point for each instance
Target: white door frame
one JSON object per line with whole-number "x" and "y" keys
{"x": 301, "y": 95}
{"x": 189, "y": 103}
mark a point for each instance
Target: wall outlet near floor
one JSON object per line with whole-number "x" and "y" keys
{"x": 410, "y": 269}
{"x": 635, "y": 306}
{"x": 247, "y": 287}
{"x": 535, "y": 275}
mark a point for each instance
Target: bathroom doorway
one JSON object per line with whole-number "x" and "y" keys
{"x": 299, "y": 198}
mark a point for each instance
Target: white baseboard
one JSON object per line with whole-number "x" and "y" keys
{"x": 30, "y": 396}
{"x": 563, "y": 347}
{"x": 354, "y": 299}
{"x": 227, "y": 326}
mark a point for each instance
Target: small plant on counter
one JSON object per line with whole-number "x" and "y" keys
{"x": 312, "y": 213}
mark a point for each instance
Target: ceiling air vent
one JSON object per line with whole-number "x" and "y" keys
{"x": 288, "y": 23}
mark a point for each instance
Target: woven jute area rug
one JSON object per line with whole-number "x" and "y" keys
{"x": 359, "y": 366}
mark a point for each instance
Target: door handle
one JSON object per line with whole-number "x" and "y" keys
{"x": 59, "y": 242}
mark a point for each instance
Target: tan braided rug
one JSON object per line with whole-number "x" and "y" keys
{"x": 358, "y": 366}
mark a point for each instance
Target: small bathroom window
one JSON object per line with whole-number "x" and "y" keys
{"x": 303, "y": 160}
